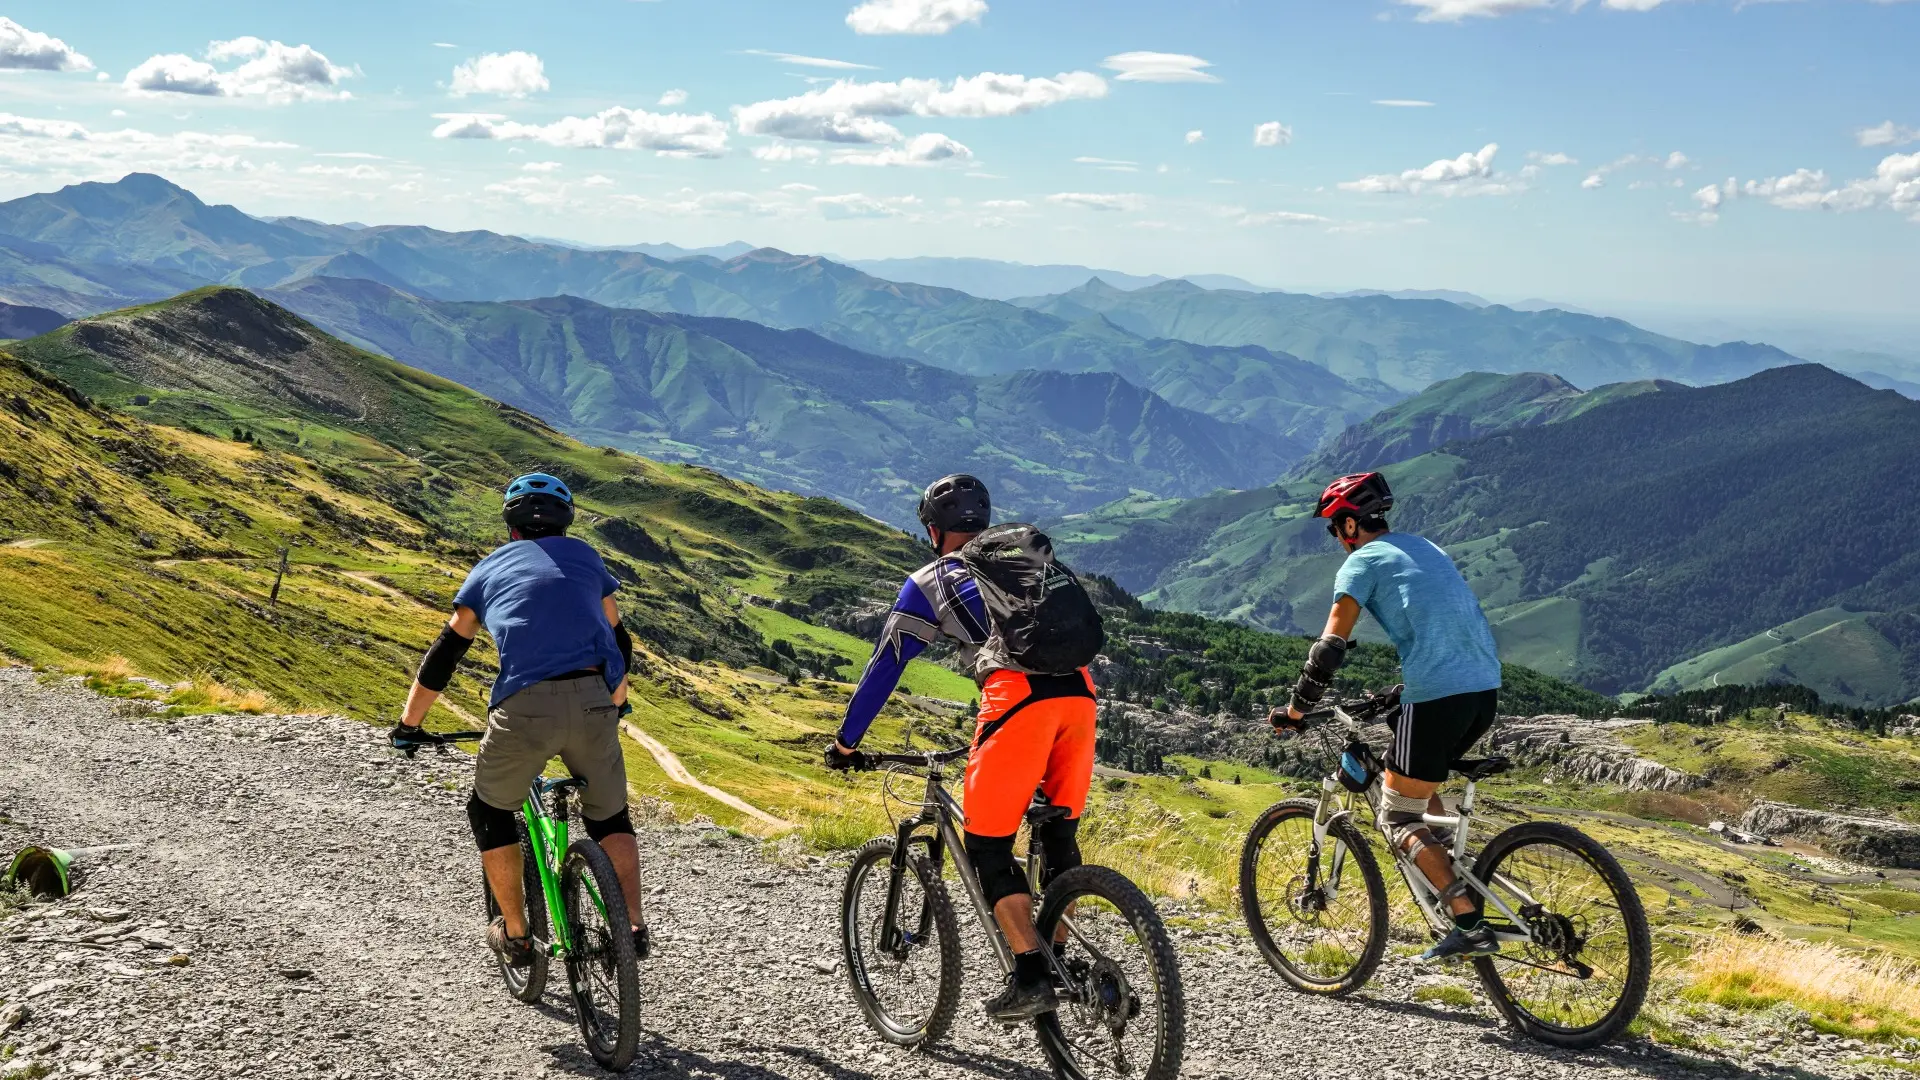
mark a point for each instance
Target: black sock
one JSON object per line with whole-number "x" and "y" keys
{"x": 1466, "y": 921}
{"x": 1031, "y": 967}
{"x": 1059, "y": 950}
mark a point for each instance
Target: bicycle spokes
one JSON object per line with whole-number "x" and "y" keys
{"x": 1571, "y": 972}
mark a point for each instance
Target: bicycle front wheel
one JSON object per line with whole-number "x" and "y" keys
{"x": 1123, "y": 1012}
{"x": 908, "y": 988}
{"x": 527, "y": 983}
{"x": 601, "y": 969}
{"x": 1581, "y": 979}
{"x": 1318, "y": 912}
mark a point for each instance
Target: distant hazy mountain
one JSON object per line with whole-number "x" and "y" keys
{"x": 788, "y": 408}
{"x": 17, "y": 321}
{"x": 995, "y": 279}
{"x": 1465, "y": 407}
{"x": 1648, "y": 539}
{"x": 1451, "y": 296}
{"x": 658, "y": 251}
{"x": 1411, "y": 344}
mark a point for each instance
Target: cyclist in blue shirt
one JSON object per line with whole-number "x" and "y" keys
{"x": 546, "y": 599}
{"x": 1448, "y": 663}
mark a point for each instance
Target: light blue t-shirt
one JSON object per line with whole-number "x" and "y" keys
{"x": 543, "y": 603}
{"x": 1416, "y": 594}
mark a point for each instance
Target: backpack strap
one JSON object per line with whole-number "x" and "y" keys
{"x": 1039, "y": 688}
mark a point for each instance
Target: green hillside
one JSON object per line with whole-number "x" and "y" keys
{"x": 1465, "y": 407}
{"x": 1613, "y": 547}
{"x": 790, "y": 409}
{"x": 1410, "y": 344}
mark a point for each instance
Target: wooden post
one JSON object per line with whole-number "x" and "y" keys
{"x": 273, "y": 598}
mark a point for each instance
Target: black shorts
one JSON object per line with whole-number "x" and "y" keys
{"x": 1431, "y": 735}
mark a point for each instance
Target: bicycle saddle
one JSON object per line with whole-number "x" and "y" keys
{"x": 1040, "y": 813}
{"x": 1481, "y": 768}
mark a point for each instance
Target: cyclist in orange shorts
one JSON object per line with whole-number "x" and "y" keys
{"x": 1035, "y": 732}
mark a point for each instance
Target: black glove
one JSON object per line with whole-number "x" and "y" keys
{"x": 408, "y": 738}
{"x": 626, "y": 709}
{"x": 1284, "y": 724}
{"x": 854, "y": 760}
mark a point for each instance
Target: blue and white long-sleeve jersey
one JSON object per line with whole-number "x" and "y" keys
{"x": 938, "y": 600}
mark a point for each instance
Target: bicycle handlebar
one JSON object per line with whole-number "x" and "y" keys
{"x": 931, "y": 757}
{"x": 440, "y": 739}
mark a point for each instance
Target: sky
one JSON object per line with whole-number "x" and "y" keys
{"x": 1708, "y": 155}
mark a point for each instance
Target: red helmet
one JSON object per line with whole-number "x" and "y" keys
{"x": 1364, "y": 495}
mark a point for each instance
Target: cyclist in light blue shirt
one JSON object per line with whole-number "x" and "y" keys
{"x": 1449, "y": 666}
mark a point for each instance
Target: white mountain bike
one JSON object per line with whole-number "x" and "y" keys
{"x": 1575, "y": 954}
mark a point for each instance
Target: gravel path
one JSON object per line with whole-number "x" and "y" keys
{"x": 298, "y": 902}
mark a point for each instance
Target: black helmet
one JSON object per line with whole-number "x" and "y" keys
{"x": 538, "y": 502}
{"x": 956, "y": 503}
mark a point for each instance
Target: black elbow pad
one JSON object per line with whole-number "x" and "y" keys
{"x": 1323, "y": 660}
{"x": 436, "y": 668}
{"x": 625, "y": 642}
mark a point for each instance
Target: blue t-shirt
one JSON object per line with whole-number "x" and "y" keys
{"x": 543, "y": 602}
{"x": 1416, "y": 594}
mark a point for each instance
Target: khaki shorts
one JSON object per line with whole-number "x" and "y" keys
{"x": 574, "y": 719}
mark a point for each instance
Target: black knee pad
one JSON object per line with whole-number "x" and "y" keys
{"x": 492, "y": 826}
{"x": 1060, "y": 846}
{"x": 992, "y": 858}
{"x": 605, "y": 827}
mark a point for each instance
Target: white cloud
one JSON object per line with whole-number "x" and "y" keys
{"x": 1455, "y": 10}
{"x": 847, "y": 111}
{"x": 32, "y": 50}
{"x": 1676, "y": 160}
{"x": 1887, "y": 134}
{"x": 1194, "y": 136}
{"x": 1272, "y": 133}
{"x": 1006, "y": 204}
{"x": 345, "y": 172}
{"x": 1109, "y": 164}
{"x": 445, "y": 45}
{"x": 1404, "y": 103}
{"x": 1711, "y": 196}
{"x": 1158, "y": 67}
{"x": 928, "y": 149}
{"x": 541, "y": 166}
{"x": 616, "y": 128}
{"x": 1468, "y": 174}
{"x": 1284, "y": 217}
{"x": 1086, "y": 201}
{"x": 841, "y": 207}
{"x": 1593, "y": 182}
{"x": 276, "y": 71}
{"x": 1802, "y": 189}
{"x": 357, "y": 155}
{"x": 1894, "y": 185}
{"x": 514, "y": 74}
{"x": 596, "y": 180}
{"x": 28, "y": 127}
{"x": 798, "y": 187}
{"x": 914, "y": 16}
{"x": 672, "y": 99}
{"x": 809, "y": 61}
{"x": 70, "y": 151}
{"x": 1552, "y": 159}
{"x": 785, "y": 151}
{"x": 240, "y": 48}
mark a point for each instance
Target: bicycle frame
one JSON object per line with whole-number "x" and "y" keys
{"x": 548, "y": 834}
{"x": 1426, "y": 898}
{"x": 943, "y": 815}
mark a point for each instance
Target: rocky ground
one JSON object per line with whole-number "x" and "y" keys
{"x": 296, "y": 901}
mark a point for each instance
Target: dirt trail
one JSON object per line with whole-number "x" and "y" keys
{"x": 300, "y": 903}
{"x": 29, "y": 542}
{"x": 677, "y": 772}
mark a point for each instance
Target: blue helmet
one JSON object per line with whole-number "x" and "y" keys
{"x": 538, "y": 501}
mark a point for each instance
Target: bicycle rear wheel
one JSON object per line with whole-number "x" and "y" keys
{"x": 1582, "y": 978}
{"x": 600, "y": 961}
{"x": 1319, "y": 915}
{"x": 908, "y": 990}
{"x": 527, "y": 983}
{"x": 1124, "y": 1012}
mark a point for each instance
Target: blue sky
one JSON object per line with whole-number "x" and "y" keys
{"x": 1703, "y": 154}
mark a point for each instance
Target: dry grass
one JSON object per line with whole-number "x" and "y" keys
{"x": 1843, "y": 991}
{"x": 203, "y": 694}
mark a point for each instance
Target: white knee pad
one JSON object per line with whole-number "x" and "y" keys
{"x": 1401, "y": 819}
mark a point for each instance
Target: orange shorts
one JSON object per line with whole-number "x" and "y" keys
{"x": 1035, "y": 733}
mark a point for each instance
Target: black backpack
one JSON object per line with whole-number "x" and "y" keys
{"x": 1039, "y": 610}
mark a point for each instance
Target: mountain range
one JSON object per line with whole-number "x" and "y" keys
{"x": 790, "y": 409}
{"x": 1409, "y": 344}
{"x": 1752, "y": 529}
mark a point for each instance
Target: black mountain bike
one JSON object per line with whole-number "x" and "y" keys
{"x": 576, "y": 911}
{"x": 1575, "y": 954}
{"x": 1122, "y": 1012}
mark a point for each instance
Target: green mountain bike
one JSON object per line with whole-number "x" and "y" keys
{"x": 576, "y": 912}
